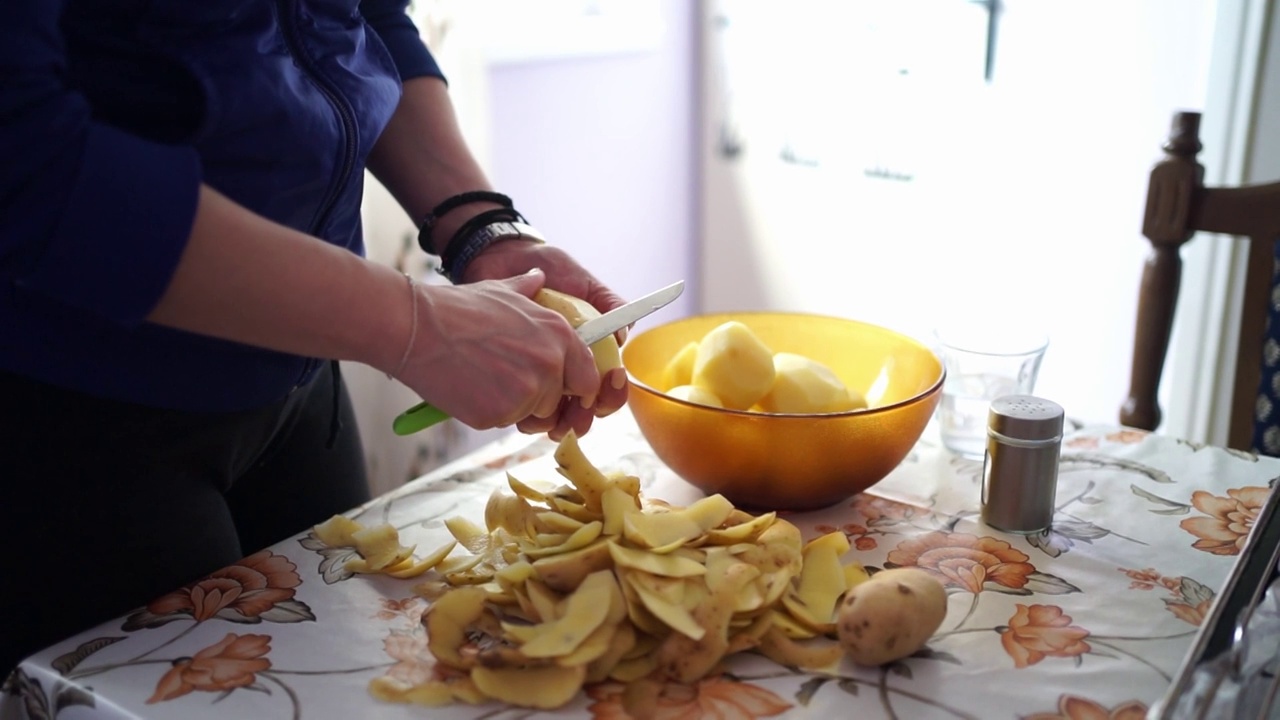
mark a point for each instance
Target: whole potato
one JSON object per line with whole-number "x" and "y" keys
{"x": 890, "y": 616}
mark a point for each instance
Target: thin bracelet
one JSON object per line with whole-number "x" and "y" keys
{"x": 413, "y": 328}
{"x": 450, "y": 203}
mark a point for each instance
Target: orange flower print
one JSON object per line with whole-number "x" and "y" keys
{"x": 224, "y": 666}
{"x": 1128, "y": 436}
{"x": 965, "y": 561}
{"x": 1191, "y": 598}
{"x": 414, "y": 662}
{"x": 1039, "y": 631}
{"x": 1148, "y": 578}
{"x": 879, "y": 511}
{"x": 857, "y": 534}
{"x": 1071, "y": 707}
{"x": 1083, "y": 443}
{"x": 713, "y": 697}
{"x": 410, "y": 608}
{"x": 1229, "y": 519}
{"x": 1145, "y": 579}
{"x": 1188, "y": 613}
{"x": 259, "y": 587}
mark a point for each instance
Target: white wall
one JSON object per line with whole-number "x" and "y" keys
{"x": 1026, "y": 195}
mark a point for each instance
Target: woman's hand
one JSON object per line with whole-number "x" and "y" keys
{"x": 510, "y": 258}
{"x": 491, "y": 357}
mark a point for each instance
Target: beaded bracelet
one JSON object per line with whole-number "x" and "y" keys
{"x": 451, "y": 203}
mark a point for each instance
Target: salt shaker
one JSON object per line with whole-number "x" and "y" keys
{"x": 1020, "y": 467}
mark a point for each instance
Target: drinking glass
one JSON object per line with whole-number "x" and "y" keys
{"x": 982, "y": 365}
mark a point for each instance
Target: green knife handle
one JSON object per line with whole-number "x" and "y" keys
{"x": 419, "y": 417}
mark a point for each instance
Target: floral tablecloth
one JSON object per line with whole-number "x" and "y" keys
{"x": 1091, "y": 619}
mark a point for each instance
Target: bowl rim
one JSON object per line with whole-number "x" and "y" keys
{"x": 932, "y": 389}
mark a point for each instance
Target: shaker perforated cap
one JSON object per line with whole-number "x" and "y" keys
{"x": 1026, "y": 417}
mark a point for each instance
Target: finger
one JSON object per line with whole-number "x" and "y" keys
{"x": 547, "y": 405}
{"x": 581, "y": 378}
{"x": 536, "y": 425}
{"x": 529, "y": 283}
{"x": 572, "y": 417}
{"x": 613, "y": 392}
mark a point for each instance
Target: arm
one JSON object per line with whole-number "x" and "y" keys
{"x": 90, "y": 216}
{"x": 94, "y": 217}
{"x": 101, "y": 219}
{"x": 485, "y": 353}
{"x": 422, "y": 158}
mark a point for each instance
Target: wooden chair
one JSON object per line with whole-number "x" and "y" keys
{"x": 1178, "y": 206}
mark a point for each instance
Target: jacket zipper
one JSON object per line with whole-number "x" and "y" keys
{"x": 288, "y": 22}
{"x": 287, "y": 11}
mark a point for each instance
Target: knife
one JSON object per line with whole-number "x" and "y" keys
{"x": 424, "y": 414}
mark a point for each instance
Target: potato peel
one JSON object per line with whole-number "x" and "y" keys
{"x": 588, "y": 581}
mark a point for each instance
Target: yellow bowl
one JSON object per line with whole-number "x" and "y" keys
{"x": 766, "y": 461}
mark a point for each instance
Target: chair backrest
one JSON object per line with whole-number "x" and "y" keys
{"x": 1178, "y": 206}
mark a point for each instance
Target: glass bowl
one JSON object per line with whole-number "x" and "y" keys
{"x": 767, "y": 461}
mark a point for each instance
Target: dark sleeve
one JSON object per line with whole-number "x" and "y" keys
{"x": 89, "y": 215}
{"x": 390, "y": 20}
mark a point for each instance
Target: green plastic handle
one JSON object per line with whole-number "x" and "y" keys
{"x": 419, "y": 417}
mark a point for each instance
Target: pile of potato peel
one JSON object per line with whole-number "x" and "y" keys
{"x": 589, "y": 581}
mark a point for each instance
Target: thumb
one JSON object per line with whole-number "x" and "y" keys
{"x": 529, "y": 283}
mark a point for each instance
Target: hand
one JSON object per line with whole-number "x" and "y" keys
{"x": 491, "y": 357}
{"x": 512, "y": 257}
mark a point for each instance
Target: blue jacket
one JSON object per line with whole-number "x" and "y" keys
{"x": 112, "y": 112}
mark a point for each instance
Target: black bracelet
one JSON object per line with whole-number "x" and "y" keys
{"x": 451, "y": 203}
{"x": 449, "y": 265}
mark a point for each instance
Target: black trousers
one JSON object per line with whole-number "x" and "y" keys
{"x": 105, "y": 506}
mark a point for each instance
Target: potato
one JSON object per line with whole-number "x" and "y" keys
{"x": 803, "y": 385}
{"x": 578, "y": 311}
{"x": 695, "y": 394}
{"x": 679, "y": 370}
{"x": 734, "y": 365}
{"x": 890, "y": 616}
{"x": 726, "y": 369}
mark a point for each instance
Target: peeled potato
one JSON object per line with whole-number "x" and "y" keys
{"x": 679, "y": 370}
{"x": 578, "y": 311}
{"x": 803, "y": 385}
{"x": 695, "y": 394}
{"x": 857, "y": 401}
{"x": 734, "y": 365}
{"x": 890, "y": 616}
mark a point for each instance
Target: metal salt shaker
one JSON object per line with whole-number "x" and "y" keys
{"x": 1020, "y": 468}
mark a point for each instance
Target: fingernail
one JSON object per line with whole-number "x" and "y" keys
{"x": 586, "y": 402}
{"x": 619, "y": 379}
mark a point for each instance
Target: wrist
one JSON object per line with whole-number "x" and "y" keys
{"x": 385, "y": 336}
{"x": 445, "y": 219}
{"x": 478, "y": 235}
{"x": 449, "y": 225}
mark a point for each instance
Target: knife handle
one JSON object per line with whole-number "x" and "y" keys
{"x": 419, "y": 417}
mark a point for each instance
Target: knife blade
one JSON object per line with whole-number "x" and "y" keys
{"x": 424, "y": 414}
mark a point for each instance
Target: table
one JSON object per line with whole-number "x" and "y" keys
{"x": 1091, "y": 619}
